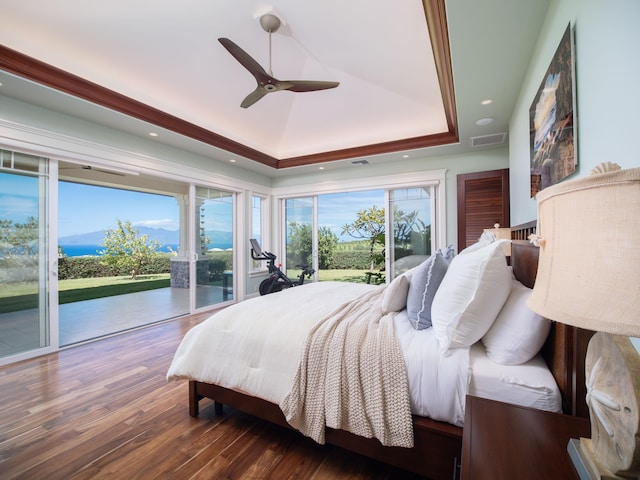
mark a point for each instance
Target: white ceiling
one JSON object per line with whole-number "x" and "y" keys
{"x": 165, "y": 54}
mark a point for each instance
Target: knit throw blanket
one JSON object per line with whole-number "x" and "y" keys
{"x": 352, "y": 377}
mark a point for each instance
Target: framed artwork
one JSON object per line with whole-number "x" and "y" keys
{"x": 552, "y": 120}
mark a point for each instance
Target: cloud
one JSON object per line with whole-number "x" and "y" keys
{"x": 18, "y": 208}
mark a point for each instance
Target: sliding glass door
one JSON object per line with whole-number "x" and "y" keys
{"x": 300, "y": 236}
{"x": 410, "y": 217}
{"x": 346, "y": 234}
{"x": 24, "y": 266}
{"x": 213, "y": 256}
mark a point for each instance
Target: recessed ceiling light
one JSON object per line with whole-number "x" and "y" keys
{"x": 232, "y": 160}
{"x": 153, "y": 134}
{"x": 487, "y": 101}
{"x": 405, "y": 156}
{"x": 320, "y": 168}
{"x": 484, "y": 121}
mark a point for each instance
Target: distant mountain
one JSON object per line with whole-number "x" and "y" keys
{"x": 217, "y": 239}
{"x": 166, "y": 237}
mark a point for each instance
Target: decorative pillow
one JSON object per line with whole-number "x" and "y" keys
{"x": 449, "y": 253}
{"x": 485, "y": 239}
{"x": 395, "y": 296}
{"x": 424, "y": 283}
{"x": 518, "y": 333}
{"x": 470, "y": 297}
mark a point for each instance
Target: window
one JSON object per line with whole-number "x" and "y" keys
{"x": 409, "y": 206}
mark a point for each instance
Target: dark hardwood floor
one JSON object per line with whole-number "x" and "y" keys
{"x": 105, "y": 410}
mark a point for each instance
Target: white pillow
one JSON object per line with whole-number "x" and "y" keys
{"x": 518, "y": 333}
{"x": 472, "y": 292}
{"x": 395, "y": 296}
{"x": 485, "y": 239}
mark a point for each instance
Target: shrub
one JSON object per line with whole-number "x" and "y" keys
{"x": 350, "y": 259}
{"x": 90, "y": 267}
{"x": 218, "y": 263}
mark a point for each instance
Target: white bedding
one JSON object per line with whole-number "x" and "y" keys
{"x": 254, "y": 347}
{"x": 530, "y": 384}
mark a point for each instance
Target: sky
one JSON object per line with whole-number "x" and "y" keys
{"x": 18, "y": 197}
{"x": 87, "y": 208}
{"x": 338, "y": 209}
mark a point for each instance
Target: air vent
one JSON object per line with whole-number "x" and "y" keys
{"x": 484, "y": 140}
{"x": 360, "y": 162}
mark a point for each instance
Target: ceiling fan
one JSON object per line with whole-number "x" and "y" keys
{"x": 267, "y": 83}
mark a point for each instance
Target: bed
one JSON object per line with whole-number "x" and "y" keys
{"x": 437, "y": 438}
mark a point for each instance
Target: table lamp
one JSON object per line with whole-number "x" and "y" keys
{"x": 502, "y": 233}
{"x": 589, "y": 276}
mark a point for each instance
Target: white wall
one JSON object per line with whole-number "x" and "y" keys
{"x": 607, "y": 37}
{"x": 34, "y": 127}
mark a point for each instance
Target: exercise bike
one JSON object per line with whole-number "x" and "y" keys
{"x": 277, "y": 280}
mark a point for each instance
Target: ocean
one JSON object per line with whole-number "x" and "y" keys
{"x": 85, "y": 250}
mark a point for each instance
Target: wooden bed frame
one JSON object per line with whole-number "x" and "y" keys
{"x": 437, "y": 445}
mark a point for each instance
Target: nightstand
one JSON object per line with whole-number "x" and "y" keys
{"x": 504, "y": 441}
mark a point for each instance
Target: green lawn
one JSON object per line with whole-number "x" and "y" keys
{"x": 348, "y": 275}
{"x": 22, "y": 296}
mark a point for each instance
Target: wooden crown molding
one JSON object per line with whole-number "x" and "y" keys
{"x": 37, "y": 71}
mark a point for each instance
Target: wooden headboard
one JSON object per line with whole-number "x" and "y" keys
{"x": 566, "y": 347}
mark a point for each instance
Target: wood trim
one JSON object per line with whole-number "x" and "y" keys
{"x": 436, "y": 17}
{"x": 522, "y": 231}
{"x": 435, "y": 140}
{"x": 40, "y": 72}
{"x": 53, "y": 77}
{"x": 581, "y": 338}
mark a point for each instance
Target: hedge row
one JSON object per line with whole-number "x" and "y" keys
{"x": 345, "y": 260}
{"x": 90, "y": 267}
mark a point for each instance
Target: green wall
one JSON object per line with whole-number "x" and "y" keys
{"x": 607, "y": 39}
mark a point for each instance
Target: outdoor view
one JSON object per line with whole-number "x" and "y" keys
{"x": 110, "y": 242}
{"x": 351, "y": 233}
{"x": 115, "y": 241}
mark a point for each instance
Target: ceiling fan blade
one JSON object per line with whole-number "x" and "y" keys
{"x": 244, "y": 58}
{"x": 266, "y": 82}
{"x": 253, "y": 97}
{"x": 309, "y": 85}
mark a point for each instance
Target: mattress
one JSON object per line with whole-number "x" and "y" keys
{"x": 530, "y": 384}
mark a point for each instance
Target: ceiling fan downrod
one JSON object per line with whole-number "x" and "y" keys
{"x": 270, "y": 23}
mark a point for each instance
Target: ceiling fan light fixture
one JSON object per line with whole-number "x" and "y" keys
{"x": 270, "y": 23}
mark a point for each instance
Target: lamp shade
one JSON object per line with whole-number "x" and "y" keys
{"x": 589, "y": 267}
